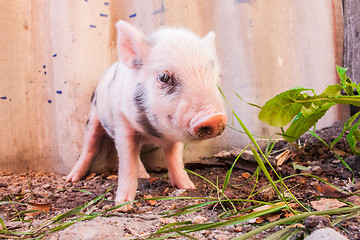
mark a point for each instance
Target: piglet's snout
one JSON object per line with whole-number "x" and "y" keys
{"x": 208, "y": 124}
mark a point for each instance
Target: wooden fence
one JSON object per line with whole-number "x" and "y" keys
{"x": 52, "y": 54}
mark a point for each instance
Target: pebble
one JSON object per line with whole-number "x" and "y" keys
{"x": 222, "y": 237}
{"x": 177, "y": 193}
{"x": 107, "y": 207}
{"x": 167, "y": 220}
{"x": 326, "y": 234}
{"x": 199, "y": 220}
{"x": 238, "y": 229}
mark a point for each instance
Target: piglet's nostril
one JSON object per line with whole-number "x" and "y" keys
{"x": 205, "y": 131}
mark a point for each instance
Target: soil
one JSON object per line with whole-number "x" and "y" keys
{"x": 54, "y": 195}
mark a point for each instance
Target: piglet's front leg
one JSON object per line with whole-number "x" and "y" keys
{"x": 128, "y": 146}
{"x": 174, "y": 159}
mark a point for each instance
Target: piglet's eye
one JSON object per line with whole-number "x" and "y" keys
{"x": 164, "y": 77}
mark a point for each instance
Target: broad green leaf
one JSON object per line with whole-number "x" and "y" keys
{"x": 306, "y": 120}
{"x": 332, "y": 91}
{"x": 280, "y": 110}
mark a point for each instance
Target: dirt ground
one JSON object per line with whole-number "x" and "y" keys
{"x": 54, "y": 195}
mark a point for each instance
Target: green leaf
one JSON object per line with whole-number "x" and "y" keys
{"x": 306, "y": 120}
{"x": 281, "y": 109}
{"x": 332, "y": 91}
{"x": 353, "y": 138}
{"x": 345, "y": 81}
{"x": 347, "y": 125}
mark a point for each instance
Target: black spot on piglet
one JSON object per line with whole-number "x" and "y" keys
{"x": 143, "y": 119}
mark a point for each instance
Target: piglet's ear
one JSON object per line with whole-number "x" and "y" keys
{"x": 210, "y": 39}
{"x": 131, "y": 45}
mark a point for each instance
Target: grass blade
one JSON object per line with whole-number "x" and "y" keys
{"x": 297, "y": 218}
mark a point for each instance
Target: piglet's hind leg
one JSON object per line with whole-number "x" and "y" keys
{"x": 142, "y": 171}
{"x": 93, "y": 134}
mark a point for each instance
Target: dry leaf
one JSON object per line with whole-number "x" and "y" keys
{"x": 281, "y": 158}
{"x": 246, "y": 175}
{"x": 330, "y": 191}
{"x": 288, "y": 213}
{"x": 298, "y": 225}
{"x": 153, "y": 179}
{"x": 273, "y": 217}
{"x": 327, "y": 203}
{"x": 259, "y": 220}
{"x": 90, "y": 176}
{"x": 151, "y": 202}
{"x": 37, "y": 208}
{"x": 112, "y": 177}
{"x": 175, "y": 206}
{"x": 340, "y": 152}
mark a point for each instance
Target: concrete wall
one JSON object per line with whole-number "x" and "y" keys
{"x": 52, "y": 54}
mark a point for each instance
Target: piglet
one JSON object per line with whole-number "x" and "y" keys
{"x": 162, "y": 91}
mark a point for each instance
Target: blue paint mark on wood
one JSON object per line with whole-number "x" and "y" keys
{"x": 132, "y": 15}
{"x": 103, "y": 15}
{"x": 59, "y": 92}
{"x": 243, "y": 1}
{"x": 161, "y": 12}
{"x": 54, "y": 55}
{"x": 45, "y": 72}
{"x": 3, "y": 98}
{"x": 92, "y": 26}
{"x": 106, "y": 3}
{"x": 49, "y": 101}
{"x": 44, "y": 66}
{"x": 158, "y": 11}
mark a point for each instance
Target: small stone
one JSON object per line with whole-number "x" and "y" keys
{"x": 230, "y": 228}
{"x": 107, "y": 207}
{"x": 177, "y": 193}
{"x": 222, "y": 237}
{"x": 317, "y": 222}
{"x": 167, "y": 220}
{"x": 326, "y": 234}
{"x": 238, "y": 229}
{"x": 199, "y": 220}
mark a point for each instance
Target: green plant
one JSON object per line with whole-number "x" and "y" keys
{"x": 303, "y": 108}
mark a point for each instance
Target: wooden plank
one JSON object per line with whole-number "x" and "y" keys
{"x": 351, "y": 38}
{"x": 54, "y": 52}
